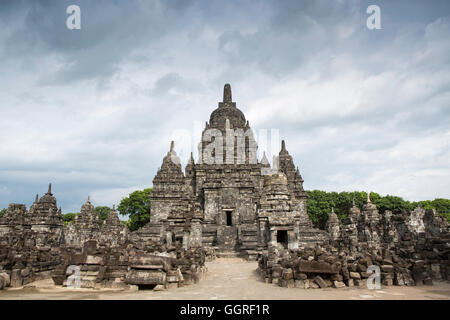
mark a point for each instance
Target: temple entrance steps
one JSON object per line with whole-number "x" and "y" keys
{"x": 249, "y": 255}
{"x": 228, "y": 254}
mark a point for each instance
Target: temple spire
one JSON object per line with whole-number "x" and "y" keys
{"x": 114, "y": 207}
{"x": 227, "y": 93}
{"x": 353, "y": 202}
{"x": 89, "y": 199}
{"x": 191, "y": 159}
{"x": 283, "y": 148}
{"x": 49, "y": 188}
{"x": 37, "y": 198}
{"x": 172, "y": 146}
{"x": 368, "y": 196}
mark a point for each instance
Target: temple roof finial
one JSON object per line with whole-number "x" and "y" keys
{"x": 283, "y": 147}
{"x": 37, "y": 198}
{"x": 353, "y": 202}
{"x": 114, "y": 207}
{"x": 227, "y": 93}
{"x": 89, "y": 199}
{"x": 368, "y": 196}
{"x": 49, "y": 188}
{"x": 172, "y": 146}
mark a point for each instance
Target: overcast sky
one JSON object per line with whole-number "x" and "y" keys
{"x": 93, "y": 110}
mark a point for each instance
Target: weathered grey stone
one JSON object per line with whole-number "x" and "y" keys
{"x": 320, "y": 282}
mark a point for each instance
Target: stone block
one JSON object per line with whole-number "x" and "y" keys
{"x": 338, "y": 284}
{"x": 159, "y": 287}
{"x": 320, "y": 282}
{"x": 317, "y": 267}
{"x": 387, "y": 268}
{"x": 287, "y": 274}
{"x": 337, "y": 277}
{"x": 302, "y": 284}
{"x": 7, "y": 278}
{"x": 350, "y": 283}
{"x": 16, "y": 278}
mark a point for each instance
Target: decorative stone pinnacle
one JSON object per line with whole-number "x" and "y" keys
{"x": 114, "y": 207}
{"x": 49, "y": 188}
{"x": 172, "y": 146}
{"x": 227, "y": 93}
{"x": 368, "y": 196}
{"x": 37, "y": 198}
{"x": 353, "y": 202}
{"x": 89, "y": 199}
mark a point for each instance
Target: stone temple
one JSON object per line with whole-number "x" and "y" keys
{"x": 232, "y": 202}
{"x": 226, "y": 203}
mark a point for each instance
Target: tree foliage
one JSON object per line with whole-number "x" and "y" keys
{"x": 102, "y": 213}
{"x": 137, "y": 207}
{"x": 69, "y": 217}
{"x": 3, "y": 212}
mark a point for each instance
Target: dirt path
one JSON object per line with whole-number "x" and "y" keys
{"x": 232, "y": 279}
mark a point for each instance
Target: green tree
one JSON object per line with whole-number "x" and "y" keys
{"x": 3, "y": 212}
{"x": 395, "y": 204}
{"x": 137, "y": 207}
{"x": 69, "y": 217}
{"x": 102, "y": 213}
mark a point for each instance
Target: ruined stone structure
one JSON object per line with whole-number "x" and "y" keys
{"x": 412, "y": 248}
{"x": 228, "y": 199}
{"x": 225, "y": 202}
{"x": 34, "y": 245}
{"x": 30, "y": 240}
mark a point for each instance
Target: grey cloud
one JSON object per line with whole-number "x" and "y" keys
{"x": 92, "y": 110}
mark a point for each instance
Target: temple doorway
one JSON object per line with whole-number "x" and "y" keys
{"x": 282, "y": 237}
{"x": 229, "y": 218}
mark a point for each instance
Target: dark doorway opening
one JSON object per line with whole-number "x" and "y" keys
{"x": 146, "y": 286}
{"x": 282, "y": 237}
{"x": 229, "y": 219}
{"x": 179, "y": 240}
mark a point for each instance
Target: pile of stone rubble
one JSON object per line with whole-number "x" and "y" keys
{"x": 145, "y": 266}
{"x": 408, "y": 249}
{"x": 35, "y": 245}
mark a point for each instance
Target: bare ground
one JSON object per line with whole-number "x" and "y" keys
{"x": 230, "y": 278}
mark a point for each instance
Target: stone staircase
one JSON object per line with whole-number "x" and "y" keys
{"x": 228, "y": 254}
